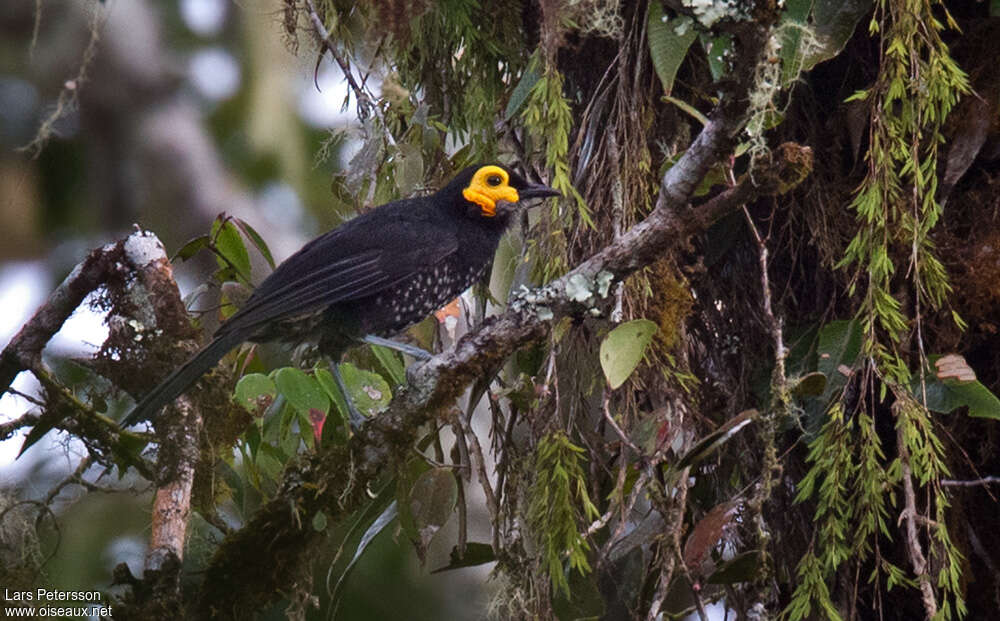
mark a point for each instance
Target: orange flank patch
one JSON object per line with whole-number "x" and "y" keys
{"x": 452, "y": 309}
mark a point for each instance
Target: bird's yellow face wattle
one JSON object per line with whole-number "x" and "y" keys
{"x": 490, "y": 184}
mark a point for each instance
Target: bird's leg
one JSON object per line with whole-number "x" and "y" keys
{"x": 356, "y": 418}
{"x": 412, "y": 350}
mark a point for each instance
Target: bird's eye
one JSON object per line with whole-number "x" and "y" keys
{"x": 494, "y": 180}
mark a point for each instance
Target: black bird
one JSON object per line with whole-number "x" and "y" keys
{"x": 369, "y": 278}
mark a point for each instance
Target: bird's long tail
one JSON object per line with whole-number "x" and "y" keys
{"x": 179, "y": 380}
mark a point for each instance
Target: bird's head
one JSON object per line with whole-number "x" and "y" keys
{"x": 479, "y": 190}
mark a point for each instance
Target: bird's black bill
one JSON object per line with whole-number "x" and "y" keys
{"x": 537, "y": 190}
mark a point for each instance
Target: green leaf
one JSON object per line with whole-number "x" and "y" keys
{"x": 407, "y": 475}
{"x": 44, "y": 425}
{"x": 521, "y": 92}
{"x": 810, "y": 385}
{"x": 669, "y": 40}
{"x": 256, "y": 239}
{"x": 717, "y": 49}
{"x": 325, "y": 379}
{"x": 740, "y": 568}
{"x": 369, "y": 391}
{"x": 255, "y": 392}
{"x": 230, "y": 249}
{"x": 391, "y": 364}
{"x": 687, "y": 108}
{"x": 302, "y": 391}
{"x": 710, "y": 443}
{"x": 270, "y": 462}
{"x": 792, "y": 26}
{"x": 381, "y": 522}
{"x": 475, "y": 554}
{"x": 431, "y": 500}
{"x": 834, "y": 22}
{"x": 623, "y": 348}
{"x": 948, "y": 395}
{"x": 839, "y": 344}
{"x": 191, "y": 248}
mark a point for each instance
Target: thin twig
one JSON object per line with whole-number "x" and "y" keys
{"x": 602, "y": 521}
{"x": 70, "y": 93}
{"x": 971, "y": 482}
{"x": 75, "y": 478}
{"x": 614, "y": 425}
{"x": 10, "y": 427}
{"x": 365, "y": 104}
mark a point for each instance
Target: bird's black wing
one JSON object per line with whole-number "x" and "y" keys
{"x": 358, "y": 259}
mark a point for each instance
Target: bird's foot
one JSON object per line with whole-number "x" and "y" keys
{"x": 355, "y": 418}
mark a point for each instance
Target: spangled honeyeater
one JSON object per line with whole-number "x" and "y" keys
{"x": 371, "y": 277}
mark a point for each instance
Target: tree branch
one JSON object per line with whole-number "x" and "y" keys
{"x": 24, "y": 351}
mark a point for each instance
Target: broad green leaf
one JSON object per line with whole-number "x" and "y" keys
{"x": 839, "y": 344}
{"x": 381, "y": 522}
{"x": 623, "y": 348}
{"x": 948, "y": 395}
{"x": 834, "y": 22}
{"x": 256, "y": 239}
{"x": 741, "y": 568}
{"x": 255, "y": 392}
{"x": 369, "y": 391}
{"x": 521, "y": 92}
{"x": 230, "y": 249}
{"x": 325, "y": 379}
{"x": 794, "y": 20}
{"x": 270, "y": 463}
{"x": 407, "y": 475}
{"x": 302, "y": 391}
{"x": 377, "y": 526}
{"x": 710, "y": 443}
{"x": 391, "y": 363}
{"x": 191, "y": 248}
{"x": 669, "y": 40}
{"x": 431, "y": 501}
{"x": 687, "y": 108}
{"x": 475, "y": 554}
{"x": 816, "y": 30}
{"x": 717, "y": 49}
{"x": 44, "y": 425}
{"x": 809, "y": 385}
